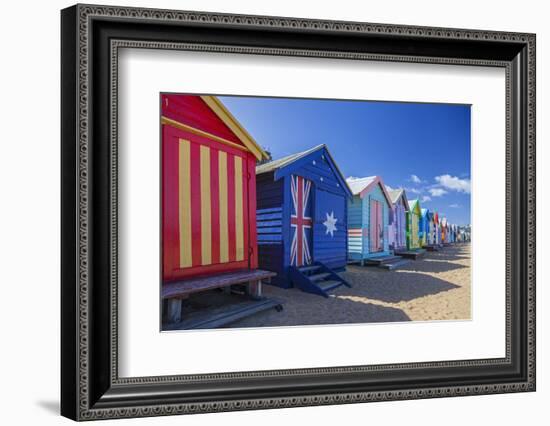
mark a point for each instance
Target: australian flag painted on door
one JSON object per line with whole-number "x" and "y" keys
{"x": 301, "y": 213}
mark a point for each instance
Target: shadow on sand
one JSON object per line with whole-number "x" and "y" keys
{"x": 455, "y": 257}
{"x": 405, "y": 286}
{"x": 437, "y": 265}
{"x": 303, "y": 309}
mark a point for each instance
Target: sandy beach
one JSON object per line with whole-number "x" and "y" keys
{"x": 435, "y": 287}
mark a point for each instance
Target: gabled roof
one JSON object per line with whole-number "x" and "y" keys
{"x": 361, "y": 186}
{"x": 284, "y": 161}
{"x": 230, "y": 121}
{"x": 396, "y": 194}
{"x": 415, "y": 204}
{"x": 357, "y": 185}
{"x": 287, "y": 165}
{"x": 208, "y": 107}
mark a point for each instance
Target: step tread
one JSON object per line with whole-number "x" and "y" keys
{"x": 309, "y": 268}
{"x": 411, "y": 254}
{"x": 329, "y": 284}
{"x": 383, "y": 259}
{"x": 394, "y": 265}
{"x": 318, "y": 277}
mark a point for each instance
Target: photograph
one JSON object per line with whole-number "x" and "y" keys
{"x": 279, "y": 212}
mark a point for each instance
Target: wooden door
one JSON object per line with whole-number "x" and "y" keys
{"x": 376, "y": 226}
{"x": 400, "y": 220}
{"x": 330, "y": 229}
{"x": 414, "y": 230}
{"x": 301, "y": 222}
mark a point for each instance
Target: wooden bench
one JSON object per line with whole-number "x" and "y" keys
{"x": 176, "y": 292}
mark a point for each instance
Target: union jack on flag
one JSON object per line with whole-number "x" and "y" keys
{"x": 300, "y": 221}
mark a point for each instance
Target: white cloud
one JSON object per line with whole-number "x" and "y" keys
{"x": 415, "y": 179}
{"x": 426, "y": 198}
{"x": 455, "y": 206}
{"x": 389, "y": 188}
{"x": 413, "y": 190}
{"x": 437, "y": 192}
{"x": 454, "y": 183}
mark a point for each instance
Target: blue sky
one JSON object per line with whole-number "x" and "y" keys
{"x": 424, "y": 148}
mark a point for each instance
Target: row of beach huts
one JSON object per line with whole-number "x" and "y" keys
{"x": 234, "y": 219}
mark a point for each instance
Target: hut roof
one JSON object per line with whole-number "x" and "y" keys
{"x": 357, "y": 185}
{"x": 230, "y": 121}
{"x": 360, "y": 186}
{"x": 179, "y": 111}
{"x": 395, "y": 194}
{"x": 284, "y": 161}
{"x": 415, "y": 205}
{"x": 286, "y": 165}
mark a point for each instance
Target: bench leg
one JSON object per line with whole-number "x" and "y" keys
{"x": 255, "y": 289}
{"x": 173, "y": 310}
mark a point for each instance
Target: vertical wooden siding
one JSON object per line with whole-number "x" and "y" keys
{"x": 375, "y": 194}
{"x": 413, "y": 219}
{"x": 401, "y": 225}
{"x": 328, "y": 197}
{"x": 330, "y": 249}
{"x": 392, "y": 228}
{"x": 269, "y": 217}
{"x": 205, "y": 206}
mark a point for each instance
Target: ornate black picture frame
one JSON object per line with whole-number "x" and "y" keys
{"x": 90, "y": 38}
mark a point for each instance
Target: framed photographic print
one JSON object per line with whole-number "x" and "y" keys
{"x": 263, "y": 212}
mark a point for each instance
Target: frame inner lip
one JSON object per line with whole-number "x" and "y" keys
{"x": 117, "y": 43}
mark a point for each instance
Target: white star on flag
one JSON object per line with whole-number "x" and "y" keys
{"x": 330, "y": 223}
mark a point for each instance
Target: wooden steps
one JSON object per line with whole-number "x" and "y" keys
{"x": 432, "y": 247}
{"x": 311, "y": 268}
{"x": 328, "y": 285}
{"x": 316, "y": 279}
{"x": 218, "y": 317}
{"x": 387, "y": 262}
{"x": 379, "y": 260}
{"x": 410, "y": 254}
{"x": 390, "y": 266}
{"x": 319, "y": 277}
{"x": 175, "y": 293}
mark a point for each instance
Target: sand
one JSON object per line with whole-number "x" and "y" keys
{"x": 435, "y": 287}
